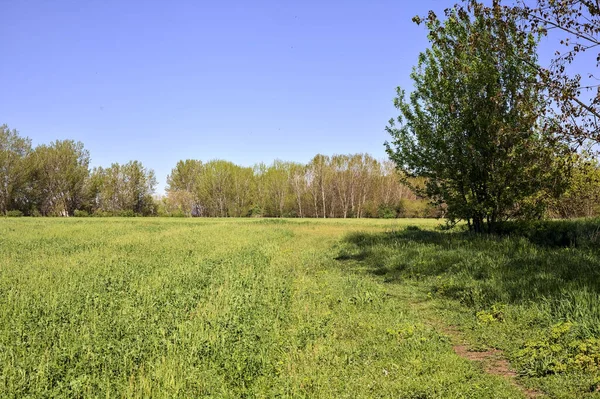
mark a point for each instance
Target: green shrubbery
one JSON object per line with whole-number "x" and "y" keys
{"x": 419, "y": 208}
{"x": 125, "y": 213}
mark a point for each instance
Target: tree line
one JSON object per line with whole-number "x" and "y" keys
{"x": 338, "y": 186}
{"x": 56, "y": 180}
{"x": 488, "y": 134}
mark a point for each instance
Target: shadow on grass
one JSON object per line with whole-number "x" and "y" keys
{"x": 481, "y": 271}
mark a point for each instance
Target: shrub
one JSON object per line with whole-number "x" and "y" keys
{"x": 386, "y": 212}
{"x": 14, "y": 213}
{"x": 123, "y": 213}
{"x": 418, "y": 208}
{"x": 256, "y": 211}
{"x": 80, "y": 213}
{"x": 177, "y": 214}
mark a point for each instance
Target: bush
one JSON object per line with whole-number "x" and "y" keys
{"x": 125, "y": 213}
{"x": 418, "y": 208}
{"x": 14, "y": 213}
{"x": 386, "y": 212}
{"x": 256, "y": 211}
{"x": 80, "y": 213}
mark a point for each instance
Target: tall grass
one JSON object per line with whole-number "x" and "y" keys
{"x": 212, "y": 308}
{"x": 516, "y": 291}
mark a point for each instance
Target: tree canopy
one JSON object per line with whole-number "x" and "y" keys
{"x": 472, "y": 125}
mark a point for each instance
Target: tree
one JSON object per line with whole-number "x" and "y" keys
{"x": 123, "y": 188}
{"x": 368, "y": 172}
{"x": 320, "y": 178}
{"x": 216, "y": 187}
{"x": 184, "y": 179}
{"x": 298, "y": 183}
{"x": 13, "y": 172}
{"x": 576, "y": 98}
{"x": 582, "y": 197}
{"x": 59, "y": 174}
{"x": 243, "y": 191}
{"x": 277, "y": 179}
{"x": 342, "y": 181}
{"x": 139, "y": 186}
{"x": 472, "y": 127}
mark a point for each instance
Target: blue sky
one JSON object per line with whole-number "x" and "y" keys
{"x": 161, "y": 81}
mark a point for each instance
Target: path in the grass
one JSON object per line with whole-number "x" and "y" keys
{"x": 491, "y": 360}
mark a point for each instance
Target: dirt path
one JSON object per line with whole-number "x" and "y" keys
{"x": 492, "y": 361}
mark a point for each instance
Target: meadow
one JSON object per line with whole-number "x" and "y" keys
{"x": 263, "y": 308}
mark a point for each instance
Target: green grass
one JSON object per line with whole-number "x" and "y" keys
{"x": 230, "y": 308}
{"x": 536, "y": 300}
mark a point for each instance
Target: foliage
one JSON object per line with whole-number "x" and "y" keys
{"x": 582, "y": 197}
{"x": 387, "y": 212}
{"x": 471, "y": 125}
{"x": 560, "y": 351}
{"x": 339, "y": 186}
{"x": 555, "y": 233}
{"x": 13, "y": 170}
{"x": 575, "y": 98}
{"x": 14, "y": 213}
{"x": 121, "y": 189}
{"x": 59, "y": 171}
{"x": 55, "y": 180}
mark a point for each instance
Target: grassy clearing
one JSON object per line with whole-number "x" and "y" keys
{"x": 540, "y": 304}
{"x": 215, "y": 308}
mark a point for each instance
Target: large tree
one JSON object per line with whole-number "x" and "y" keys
{"x": 471, "y": 127}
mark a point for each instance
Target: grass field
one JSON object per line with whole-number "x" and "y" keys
{"x": 249, "y": 308}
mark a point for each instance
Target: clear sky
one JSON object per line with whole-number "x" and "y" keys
{"x": 245, "y": 81}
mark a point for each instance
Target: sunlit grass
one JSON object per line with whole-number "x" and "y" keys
{"x": 222, "y": 308}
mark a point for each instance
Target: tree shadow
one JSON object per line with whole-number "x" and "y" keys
{"x": 481, "y": 270}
